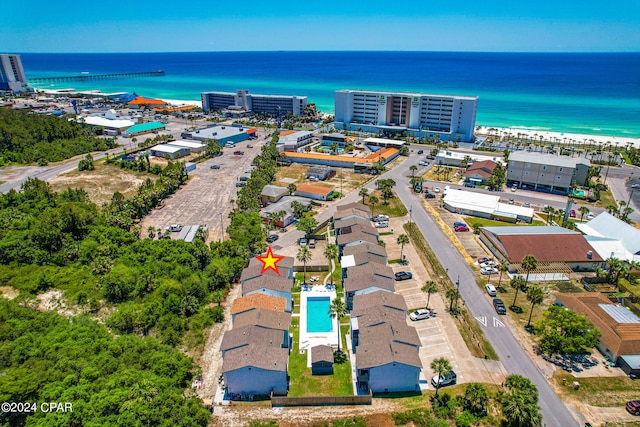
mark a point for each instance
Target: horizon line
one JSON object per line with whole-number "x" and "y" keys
{"x": 550, "y": 52}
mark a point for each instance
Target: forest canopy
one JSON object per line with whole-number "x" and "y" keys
{"x": 27, "y": 138}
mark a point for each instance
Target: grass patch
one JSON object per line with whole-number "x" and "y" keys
{"x": 483, "y": 222}
{"x": 385, "y": 233}
{"x": 296, "y": 302}
{"x": 305, "y": 384}
{"x": 473, "y": 336}
{"x": 598, "y": 391}
{"x": 393, "y": 208}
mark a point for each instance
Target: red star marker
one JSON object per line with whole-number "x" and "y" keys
{"x": 269, "y": 261}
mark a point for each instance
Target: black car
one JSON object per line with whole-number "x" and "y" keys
{"x": 272, "y": 238}
{"x": 429, "y": 196}
{"x": 403, "y": 275}
{"x": 420, "y": 151}
{"x": 214, "y": 167}
{"x": 498, "y": 304}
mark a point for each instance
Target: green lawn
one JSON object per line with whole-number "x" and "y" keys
{"x": 393, "y": 207}
{"x": 305, "y": 384}
{"x": 483, "y": 222}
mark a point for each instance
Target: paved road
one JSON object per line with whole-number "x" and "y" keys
{"x": 513, "y": 357}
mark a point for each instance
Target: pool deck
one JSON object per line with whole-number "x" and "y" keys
{"x": 308, "y": 340}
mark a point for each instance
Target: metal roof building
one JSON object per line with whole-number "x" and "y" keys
{"x": 485, "y": 206}
{"x": 612, "y": 237}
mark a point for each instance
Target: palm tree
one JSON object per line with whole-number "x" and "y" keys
{"x": 413, "y": 169}
{"x": 363, "y": 193}
{"x": 529, "y": 263}
{"x": 502, "y": 267}
{"x": 338, "y": 309}
{"x": 549, "y": 211}
{"x": 331, "y": 252}
{"x": 452, "y": 294}
{"x": 304, "y": 256}
{"x": 429, "y": 287}
{"x": 292, "y": 188}
{"x": 535, "y": 295}
{"x": 583, "y": 211}
{"x": 373, "y": 200}
{"x": 518, "y": 283}
{"x": 441, "y": 367}
{"x": 403, "y": 239}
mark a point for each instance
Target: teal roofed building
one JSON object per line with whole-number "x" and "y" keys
{"x": 143, "y": 128}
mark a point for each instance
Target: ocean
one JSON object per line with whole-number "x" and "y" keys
{"x": 589, "y": 93}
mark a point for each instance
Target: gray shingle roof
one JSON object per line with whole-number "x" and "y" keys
{"x": 273, "y": 191}
{"x": 321, "y": 353}
{"x": 272, "y": 359}
{"x": 372, "y": 248}
{"x": 369, "y": 302}
{"x": 367, "y": 275}
{"x": 344, "y": 239}
{"x": 249, "y": 335}
{"x": 264, "y": 319}
{"x": 388, "y": 343}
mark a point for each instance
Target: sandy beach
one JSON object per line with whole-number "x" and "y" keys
{"x": 558, "y": 137}
{"x": 182, "y": 102}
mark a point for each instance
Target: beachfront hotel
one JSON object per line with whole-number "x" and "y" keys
{"x": 242, "y": 100}
{"x": 453, "y": 118}
{"x": 12, "y": 77}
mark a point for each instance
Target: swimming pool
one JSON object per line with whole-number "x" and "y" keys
{"x": 318, "y": 318}
{"x": 328, "y": 149}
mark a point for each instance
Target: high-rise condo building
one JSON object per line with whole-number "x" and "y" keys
{"x": 418, "y": 114}
{"x": 12, "y": 77}
{"x": 243, "y": 100}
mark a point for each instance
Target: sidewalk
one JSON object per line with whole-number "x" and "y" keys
{"x": 439, "y": 336}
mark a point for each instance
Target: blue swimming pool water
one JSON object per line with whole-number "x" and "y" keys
{"x": 328, "y": 149}
{"x": 318, "y": 318}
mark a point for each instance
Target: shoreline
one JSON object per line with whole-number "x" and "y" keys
{"x": 531, "y": 132}
{"x": 561, "y": 138}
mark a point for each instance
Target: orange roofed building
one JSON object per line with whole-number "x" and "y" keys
{"x": 384, "y": 156}
{"x": 620, "y": 328}
{"x": 258, "y": 300}
{"x": 142, "y": 102}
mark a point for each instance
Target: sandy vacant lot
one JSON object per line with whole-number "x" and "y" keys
{"x": 102, "y": 182}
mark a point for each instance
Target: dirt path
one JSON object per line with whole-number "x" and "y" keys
{"x": 239, "y": 416}
{"x": 211, "y": 359}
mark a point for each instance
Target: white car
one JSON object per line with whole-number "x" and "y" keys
{"x": 423, "y": 163}
{"x": 421, "y": 314}
{"x": 488, "y": 264}
{"x": 436, "y": 190}
{"x": 491, "y": 290}
{"x": 488, "y": 270}
{"x": 590, "y": 216}
{"x": 380, "y": 218}
{"x": 382, "y": 224}
{"x": 445, "y": 380}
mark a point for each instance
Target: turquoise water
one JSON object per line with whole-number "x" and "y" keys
{"x": 589, "y": 93}
{"x": 318, "y": 318}
{"x": 328, "y": 149}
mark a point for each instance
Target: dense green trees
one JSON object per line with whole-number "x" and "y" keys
{"x": 563, "y": 331}
{"x": 28, "y": 138}
{"x": 109, "y": 381}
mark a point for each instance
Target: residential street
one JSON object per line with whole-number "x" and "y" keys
{"x": 512, "y": 355}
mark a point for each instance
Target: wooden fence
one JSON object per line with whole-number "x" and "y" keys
{"x": 320, "y": 400}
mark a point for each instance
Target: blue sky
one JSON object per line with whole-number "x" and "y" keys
{"x": 209, "y": 25}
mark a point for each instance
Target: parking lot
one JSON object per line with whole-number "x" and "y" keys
{"x": 439, "y": 336}
{"x": 206, "y": 197}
